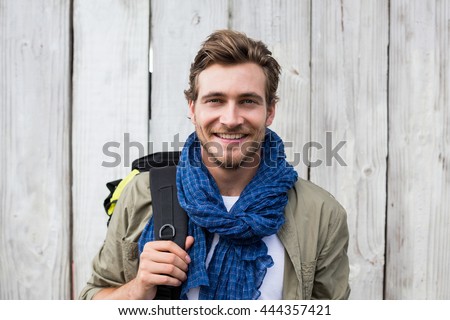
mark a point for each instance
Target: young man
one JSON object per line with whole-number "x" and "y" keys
{"x": 256, "y": 231}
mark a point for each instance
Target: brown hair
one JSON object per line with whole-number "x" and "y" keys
{"x": 231, "y": 47}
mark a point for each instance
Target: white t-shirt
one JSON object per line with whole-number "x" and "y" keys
{"x": 272, "y": 286}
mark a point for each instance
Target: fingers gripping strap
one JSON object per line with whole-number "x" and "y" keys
{"x": 170, "y": 220}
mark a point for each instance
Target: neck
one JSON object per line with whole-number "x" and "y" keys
{"x": 231, "y": 182}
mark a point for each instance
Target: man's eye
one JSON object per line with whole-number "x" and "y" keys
{"x": 248, "y": 101}
{"x": 213, "y": 101}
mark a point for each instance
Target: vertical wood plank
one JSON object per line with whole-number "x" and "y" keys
{"x": 178, "y": 29}
{"x": 418, "y": 255}
{"x": 285, "y": 27}
{"x": 349, "y": 97}
{"x": 34, "y": 139}
{"x": 110, "y": 104}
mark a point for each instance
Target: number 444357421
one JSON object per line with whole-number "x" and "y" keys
{"x": 296, "y": 309}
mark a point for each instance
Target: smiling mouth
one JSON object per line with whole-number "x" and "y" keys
{"x": 230, "y": 136}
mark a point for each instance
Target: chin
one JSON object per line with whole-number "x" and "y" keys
{"x": 236, "y": 162}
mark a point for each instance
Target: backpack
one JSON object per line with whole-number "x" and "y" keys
{"x": 170, "y": 220}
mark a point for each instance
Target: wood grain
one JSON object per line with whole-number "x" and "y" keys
{"x": 110, "y": 103}
{"x": 418, "y": 250}
{"x": 349, "y": 100}
{"x": 34, "y": 165}
{"x": 373, "y": 73}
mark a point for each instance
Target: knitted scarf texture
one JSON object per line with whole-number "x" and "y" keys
{"x": 240, "y": 260}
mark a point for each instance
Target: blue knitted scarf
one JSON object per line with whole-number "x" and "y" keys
{"x": 240, "y": 260}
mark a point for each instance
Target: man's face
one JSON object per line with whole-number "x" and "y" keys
{"x": 231, "y": 114}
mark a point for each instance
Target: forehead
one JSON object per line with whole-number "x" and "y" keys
{"x": 238, "y": 78}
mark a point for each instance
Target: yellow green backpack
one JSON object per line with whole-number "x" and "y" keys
{"x": 170, "y": 219}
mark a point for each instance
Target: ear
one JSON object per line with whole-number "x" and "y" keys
{"x": 192, "y": 111}
{"x": 270, "y": 113}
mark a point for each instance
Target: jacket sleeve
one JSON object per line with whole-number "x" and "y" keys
{"x": 332, "y": 269}
{"x": 116, "y": 262}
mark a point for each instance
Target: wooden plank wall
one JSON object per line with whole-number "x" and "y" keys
{"x": 110, "y": 101}
{"x": 35, "y": 149}
{"x": 349, "y": 100}
{"x": 375, "y": 74}
{"x": 418, "y": 241}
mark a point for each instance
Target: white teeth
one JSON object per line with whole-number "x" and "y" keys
{"x": 232, "y": 136}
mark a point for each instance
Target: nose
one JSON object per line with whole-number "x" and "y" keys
{"x": 231, "y": 115}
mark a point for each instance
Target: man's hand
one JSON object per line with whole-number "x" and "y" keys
{"x": 161, "y": 263}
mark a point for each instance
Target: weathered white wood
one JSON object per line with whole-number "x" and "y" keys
{"x": 178, "y": 29}
{"x": 285, "y": 27}
{"x": 349, "y": 97}
{"x": 110, "y": 101}
{"x": 418, "y": 238}
{"x": 34, "y": 143}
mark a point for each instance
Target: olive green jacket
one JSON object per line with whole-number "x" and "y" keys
{"x": 315, "y": 237}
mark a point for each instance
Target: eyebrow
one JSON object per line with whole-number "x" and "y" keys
{"x": 212, "y": 95}
{"x": 242, "y": 95}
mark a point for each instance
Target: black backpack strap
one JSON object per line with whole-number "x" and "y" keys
{"x": 170, "y": 220}
{"x": 156, "y": 160}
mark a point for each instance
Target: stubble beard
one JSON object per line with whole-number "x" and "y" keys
{"x": 249, "y": 152}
